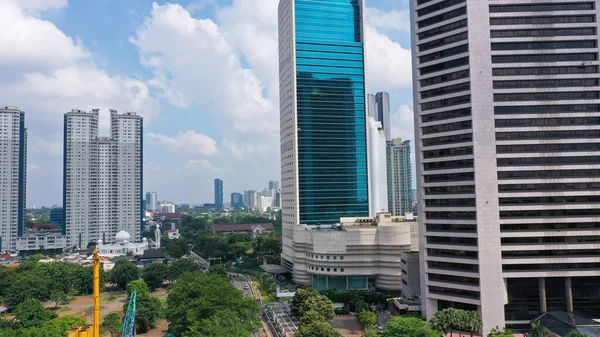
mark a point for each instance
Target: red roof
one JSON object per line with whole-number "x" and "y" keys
{"x": 241, "y": 228}
{"x": 4, "y": 256}
{"x": 44, "y": 226}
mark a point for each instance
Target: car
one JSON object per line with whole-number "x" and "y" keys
{"x": 246, "y": 287}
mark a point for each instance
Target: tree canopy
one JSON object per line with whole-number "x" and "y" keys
{"x": 148, "y": 308}
{"x": 407, "y": 326}
{"x": 122, "y": 273}
{"x": 32, "y": 320}
{"x": 180, "y": 267}
{"x": 456, "y": 319}
{"x": 209, "y": 305}
{"x": 317, "y": 329}
{"x": 155, "y": 274}
{"x": 307, "y": 299}
{"x": 113, "y": 324}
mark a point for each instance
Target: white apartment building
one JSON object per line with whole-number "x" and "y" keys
{"x": 41, "y": 240}
{"x": 507, "y": 124}
{"x": 357, "y": 254}
{"x": 13, "y": 176}
{"x": 166, "y": 208}
{"x": 102, "y": 177}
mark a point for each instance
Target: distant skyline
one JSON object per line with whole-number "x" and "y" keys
{"x": 197, "y": 126}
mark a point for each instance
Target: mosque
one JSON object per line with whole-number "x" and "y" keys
{"x": 122, "y": 246}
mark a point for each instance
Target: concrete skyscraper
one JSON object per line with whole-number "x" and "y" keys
{"x": 399, "y": 174}
{"x": 218, "y": 193}
{"x": 13, "y": 170}
{"x": 151, "y": 201}
{"x": 102, "y": 180}
{"x": 379, "y": 108}
{"x": 507, "y": 123}
{"x": 324, "y": 161}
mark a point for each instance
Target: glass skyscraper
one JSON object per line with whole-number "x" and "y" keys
{"x": 323, "y": 114}
{"x": 218, "y": 193}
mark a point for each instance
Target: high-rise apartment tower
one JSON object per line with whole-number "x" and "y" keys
{"x": 399, "y": 175}
{"x": 13, "y": 171}
{"x": 324, "y": 161}
{"x": 102, "y": 177}
{"x": 507, "y": 123}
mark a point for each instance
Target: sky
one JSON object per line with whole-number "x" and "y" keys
{"x": 202, "y": 73}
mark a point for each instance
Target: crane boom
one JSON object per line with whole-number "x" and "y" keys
{"x": 96, "y": 324}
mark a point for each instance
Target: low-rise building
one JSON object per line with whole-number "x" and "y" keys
{"x": 253, "y": 229}
{"x": 166, "y": 208}
{"x": 356, "y": 254}
{"x": 42, "y": 237}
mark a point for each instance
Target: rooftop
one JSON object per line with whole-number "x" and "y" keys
{"x": 241, "y": 227}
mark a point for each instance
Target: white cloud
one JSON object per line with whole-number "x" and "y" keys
{"x": 203, "y": 165}
{"x": 45, "y": 146}
{"x": 393, "y": 20}
{"x": 187, "y": 143}
{"x": 28, "y": 43}
{"x": 389, "y": 66}
{"x": 46, "y": 72}
{"x": 194, "y": 63}
{"x": 33, "y": 167}
{"x": 403, "y": 125}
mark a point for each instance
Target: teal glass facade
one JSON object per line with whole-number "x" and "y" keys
{"x": 331, "y": 116}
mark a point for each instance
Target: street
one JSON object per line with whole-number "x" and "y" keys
{"x": 241, "y": 282}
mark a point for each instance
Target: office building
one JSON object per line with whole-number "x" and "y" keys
{"x": 507, "y": 112}
{"x": 277, "y": 199}
{"x": 42, "y": 237}
{"x": 151, "y": 201}
{"x": 324, "y": 164}
{"x": 219, "y": 193}
{"x": 273, "y": 184}
{"x": 249, "y": 199}
{"x": 382, "y": 102}
{"x": 237, "y": 200}
{"x": 102, "y": 177}
{"x": 359, "y": 253}
{"x": 264, "y": 203}
{"x": 372, "y": 107}
{"x": 399, "y": 172}
{"x": 57, "y": 217}
{"x": 378, "y": 167}
{"x": 13, "y": 171}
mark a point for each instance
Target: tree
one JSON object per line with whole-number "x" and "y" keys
{"x": 317, "y": 329}
{"x": 58, "y": 297}
{"x": 139, "y": 286}
{"x": 496, "y": 332}
{"x": 31, "y": 313}
{"x": 112, "y": 323}
{"x": 268, "y": 245}
{"x": 148, "y": 311}
{"x": 408, "y": 327}
{"x": 318, "y": 303}
{"x": 310, "y": 317}
{"x": 451, "y": 319}
{"x": 217, "y": 270}
{"x": 123, "y": 273}
{"x": 370, "y": 333}
{"x": 177, "y": 248}
{"x": 30, "y": 284}
{"x": 180, "y": 267}
{"x": 155, "y": 274}
{"x": 196, "y": 299}
{"x": 367, "y": 319}
{"x": 538, "y": 330}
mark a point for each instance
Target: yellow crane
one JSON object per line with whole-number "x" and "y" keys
{"x": 94, "y": 329}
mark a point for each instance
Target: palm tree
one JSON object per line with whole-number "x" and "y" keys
{"x": 538, "y": 330}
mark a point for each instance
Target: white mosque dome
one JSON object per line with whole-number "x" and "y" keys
{"x": 122, "y": 236}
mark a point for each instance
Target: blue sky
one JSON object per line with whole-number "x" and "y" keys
{"x": 203, "y": 73}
